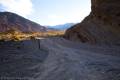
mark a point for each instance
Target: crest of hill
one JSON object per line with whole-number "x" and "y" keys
{"x": 10, "y": 20}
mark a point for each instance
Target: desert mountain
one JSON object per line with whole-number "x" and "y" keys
{"x": 62, "y": 26}
{"x": 10, "y": 20}
{"x": 101, "y": 26}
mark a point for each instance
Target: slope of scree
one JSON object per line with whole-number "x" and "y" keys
{"x": 101, "y": 26}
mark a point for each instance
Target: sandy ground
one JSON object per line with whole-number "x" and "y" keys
{"x": 58, "y": 59}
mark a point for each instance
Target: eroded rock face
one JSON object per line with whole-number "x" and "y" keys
{"x": 101, "y": 26}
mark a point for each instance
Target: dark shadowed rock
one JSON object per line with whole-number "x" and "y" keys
{"x": 10, "y": 20}
{"x": 101, "y": 26}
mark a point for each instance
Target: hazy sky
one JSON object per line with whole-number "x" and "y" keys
{"x": 48, "y": 12}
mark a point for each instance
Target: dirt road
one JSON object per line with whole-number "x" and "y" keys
{"x": 58, "y": 59}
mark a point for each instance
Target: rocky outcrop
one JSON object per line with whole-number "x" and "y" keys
{"x": 101, "y": 26}
{"x": 10, "y": 20}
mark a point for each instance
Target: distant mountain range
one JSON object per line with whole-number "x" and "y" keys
{"x": 62, "y": 26}
{"x": 10, "y": 20}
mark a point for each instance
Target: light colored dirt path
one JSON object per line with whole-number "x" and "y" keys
{"x": 59, "y": 59}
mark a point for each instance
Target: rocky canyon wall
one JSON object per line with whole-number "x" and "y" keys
{"x": 101, "y": 26}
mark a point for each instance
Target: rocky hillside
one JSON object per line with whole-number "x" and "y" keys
{"x": 10, "y": 20}
{"x": 101, "y": 26}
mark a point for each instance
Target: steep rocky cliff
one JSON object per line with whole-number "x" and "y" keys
{"x": 10, "y": 20}
{"x": 101, "y": 26}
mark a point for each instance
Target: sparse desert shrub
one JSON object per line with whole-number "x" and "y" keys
{"x": 11, "y": 34}
{"x": 16, "y": 35}
{"x": 51, "y": 33}
{"x": 32, "y": 37}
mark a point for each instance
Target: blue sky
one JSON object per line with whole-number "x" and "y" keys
{"x": 49, "y": 12}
